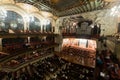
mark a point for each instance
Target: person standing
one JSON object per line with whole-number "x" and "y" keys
{"x": 99, "y": 30}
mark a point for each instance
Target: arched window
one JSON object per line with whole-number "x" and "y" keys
{"x": 13, "y": 21}
{"x": 47, "y": 26}
{"x": 34, "y": 24}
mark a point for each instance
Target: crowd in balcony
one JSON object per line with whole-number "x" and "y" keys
{"x": 16, "y": 61}
{"x": 14, "y": 46}
{"x": 36, "y": 71}
{"x": 3, "y": 54}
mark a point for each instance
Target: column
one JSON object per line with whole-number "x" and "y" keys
{"x": 0, "y": 44}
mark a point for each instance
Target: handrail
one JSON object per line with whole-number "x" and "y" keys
{"x": 25, "y": 52}
{"x": 9, "y": 68}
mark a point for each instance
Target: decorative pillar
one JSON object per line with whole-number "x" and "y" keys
{"x": 28, "y": 39}
{"x": 0, "y": 44}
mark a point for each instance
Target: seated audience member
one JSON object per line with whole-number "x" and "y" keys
{"x": 115, "y": 72}
{"x": 99, "y": 62}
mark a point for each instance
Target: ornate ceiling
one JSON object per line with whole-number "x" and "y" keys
{"x": 66, "y": 7}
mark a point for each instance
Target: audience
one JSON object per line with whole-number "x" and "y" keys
{"x": 58, "y": 68}
{"x": 54, "y": 67}
{"x": 107, "y": 68}
{"x": 14, "y": 62}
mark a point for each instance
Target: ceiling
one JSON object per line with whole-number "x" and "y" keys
{"x": 67, "y": 7}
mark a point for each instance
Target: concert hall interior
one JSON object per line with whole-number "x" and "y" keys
{"x": 59, "y": 40}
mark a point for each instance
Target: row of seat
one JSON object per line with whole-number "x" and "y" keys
{"x": 52, "y": 68}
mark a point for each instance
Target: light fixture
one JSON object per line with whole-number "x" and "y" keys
{"x": 45, "y": 22}
{"x": 13, "y": 24}
{"x": 20, "y": 20}
{"x": 115, "y": 10}
{"x": 2, "y": 24}
{"x": 37, "y": 23}
{"x": 31, "y": 18}
{"x": 3, "y": 13}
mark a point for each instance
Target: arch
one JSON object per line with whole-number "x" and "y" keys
{"x": 38, "y": 16}
{"x": 27, "y": 7}
{"x": 7, "y": 1}
{"x": 20, "y": 11}
{"x": 46, "y": 14}
{"x": 12, "y": 21}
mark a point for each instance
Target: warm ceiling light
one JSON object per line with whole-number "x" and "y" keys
{"x": 54, "y": 1}
{"x": 7, "y": 1}
{"x": 111, "y": 0}
{"x": 46, "y": 14}
{"x": 55, "y": 17}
